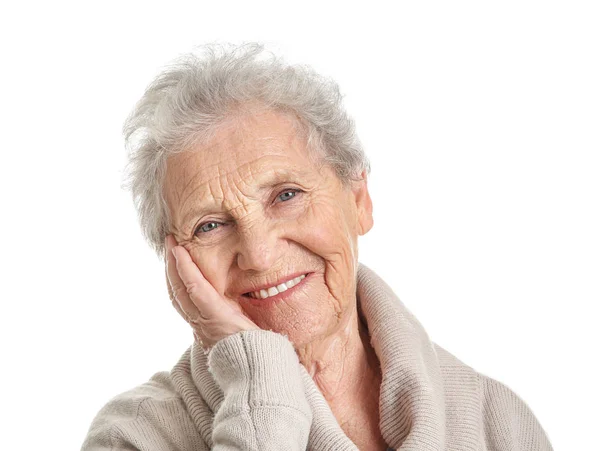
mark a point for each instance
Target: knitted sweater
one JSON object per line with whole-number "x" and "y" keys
{"x": 251, "y": 393}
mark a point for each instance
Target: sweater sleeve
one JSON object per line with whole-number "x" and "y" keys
{"x": 508, "y": 421}
{"x": 264, "y": 405}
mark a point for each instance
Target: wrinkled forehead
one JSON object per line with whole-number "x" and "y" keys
{"x": 244, "y": 150}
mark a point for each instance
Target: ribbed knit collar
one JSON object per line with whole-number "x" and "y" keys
{"x": 429, "y": 400}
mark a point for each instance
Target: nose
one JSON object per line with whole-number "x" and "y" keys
{"x": 259, "y": 247}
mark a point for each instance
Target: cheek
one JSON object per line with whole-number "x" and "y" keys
{"x": 212, "y": 265}
{"x": 326, "y": 231}
{"x": 328, "y": 225}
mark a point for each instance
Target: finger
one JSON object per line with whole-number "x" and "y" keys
{"x": 174, "y": 300}
{"x": 177, "y": 289}
{"x": 201, "y": 292}
{"x": 173, "y": 280}
{"x": 170, "y": 271}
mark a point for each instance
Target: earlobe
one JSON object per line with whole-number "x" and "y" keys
{"x": 364, "y": 205}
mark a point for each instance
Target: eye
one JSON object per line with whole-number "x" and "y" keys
{"x": 286, "y": 193}
{"x": 206, "y": 227}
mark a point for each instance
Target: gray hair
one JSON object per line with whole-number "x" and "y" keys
{"x": 191, "y": 97}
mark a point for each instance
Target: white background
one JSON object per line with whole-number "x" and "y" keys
{"x": 482, "y": 125}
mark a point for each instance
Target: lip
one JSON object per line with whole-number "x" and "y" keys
{"x": 279, "y": 296}
{"x": 280, "y": 281}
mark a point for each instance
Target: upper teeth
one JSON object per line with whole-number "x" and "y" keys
{"x": 272, "y": 291}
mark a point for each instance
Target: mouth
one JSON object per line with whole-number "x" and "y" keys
{"x": 276, "y": 293}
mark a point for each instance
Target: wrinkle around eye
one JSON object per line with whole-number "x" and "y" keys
{"x": 291, "y": 202}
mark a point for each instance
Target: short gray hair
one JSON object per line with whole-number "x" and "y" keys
{"x": 191, "y": 97}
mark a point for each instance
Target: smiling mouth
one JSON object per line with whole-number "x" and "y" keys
{"x": 276, "y": 290}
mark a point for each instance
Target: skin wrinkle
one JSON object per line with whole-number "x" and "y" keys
{"x": 210, "y": 190}
{"x": 260, "y": 238}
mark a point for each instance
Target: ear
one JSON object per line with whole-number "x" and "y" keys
{"x": 364, "y": 206}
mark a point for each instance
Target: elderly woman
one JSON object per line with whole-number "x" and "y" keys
{"x": 251, "y": 183}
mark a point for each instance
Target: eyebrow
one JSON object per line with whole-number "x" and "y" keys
{"x": 275, "y": 179}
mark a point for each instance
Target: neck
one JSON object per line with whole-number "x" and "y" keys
{"x": 346, "y": 370}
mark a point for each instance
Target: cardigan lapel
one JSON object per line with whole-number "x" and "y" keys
{"x": 429, "y": 400}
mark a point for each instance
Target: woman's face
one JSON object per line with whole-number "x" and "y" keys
{"x": 252, "y": 211}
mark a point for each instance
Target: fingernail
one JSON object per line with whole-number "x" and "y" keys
{"x": 174, "y": 253}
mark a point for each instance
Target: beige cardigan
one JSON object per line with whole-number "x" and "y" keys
{"x": 251, "y": 393}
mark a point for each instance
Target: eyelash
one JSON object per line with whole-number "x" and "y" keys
{"x": 198, "y": 229}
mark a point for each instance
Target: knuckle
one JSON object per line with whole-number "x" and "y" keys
{"x": 195, "y": 322}
{"x": 178, "y": 290}
{"x": 192, "y": 288}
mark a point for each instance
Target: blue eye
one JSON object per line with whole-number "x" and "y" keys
{"x": 289, "y": 191}
{"x": 203, "y": 228}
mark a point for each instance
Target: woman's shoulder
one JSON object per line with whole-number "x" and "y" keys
{"x": 151, "y": 416}
{"x": 504, "y": 410}
{"x": 508, "y": 419}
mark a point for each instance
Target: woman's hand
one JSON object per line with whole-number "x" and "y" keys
{"x": 211, "y": 315}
